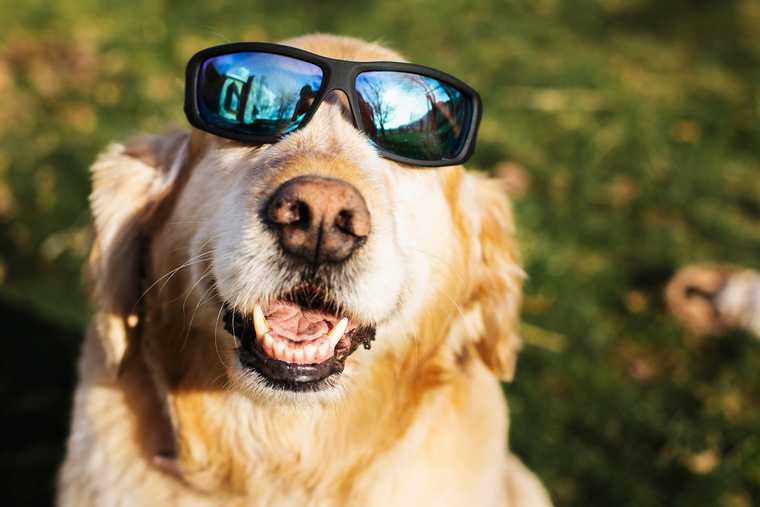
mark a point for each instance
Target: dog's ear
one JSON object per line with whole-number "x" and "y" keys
{"x": 133, "y": 186}
{"x": 497, "y": 277}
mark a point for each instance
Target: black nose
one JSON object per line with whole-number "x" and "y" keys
{"x": 319, "y": 219}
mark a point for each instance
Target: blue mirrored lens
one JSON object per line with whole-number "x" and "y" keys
{"x": 257, "y": 93}
{"x": 414, "y": 116}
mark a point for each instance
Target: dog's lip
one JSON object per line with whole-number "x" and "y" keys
{"x": 293, "y": 376}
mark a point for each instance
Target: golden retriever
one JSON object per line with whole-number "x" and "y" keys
{"x": 168, "y": 410}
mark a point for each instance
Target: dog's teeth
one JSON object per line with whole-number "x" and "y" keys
{"x": 289, "y": 354}
{"x": 301, "y": 353}
{"x": 323, "y": 350}
{"x": 337, "y": 332}
{"x": 259, "y": 321}
{"x": 310, "y": 352}
{"x": 268, "y": 342}
{"x": 279, "y": 349}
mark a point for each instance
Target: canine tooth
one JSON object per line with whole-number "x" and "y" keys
{"x": 268, "y": 342}
{"x": 298, "y": 355}
{"x": 309, "y": 352}
{"x": 337, "y": 332}
{"x": 259, "y": 321}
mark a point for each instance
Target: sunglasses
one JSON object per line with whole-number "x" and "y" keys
{"x": 258, "y": 93}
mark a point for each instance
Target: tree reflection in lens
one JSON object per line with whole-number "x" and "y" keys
{"x": 416, "y": 115}
{"x": 258, "y": 93}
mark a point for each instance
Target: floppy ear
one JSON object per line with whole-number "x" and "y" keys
{"x": 497, "y": 289}
{"x": 133, "y": 188}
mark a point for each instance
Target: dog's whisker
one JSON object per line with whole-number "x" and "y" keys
{"x": 194, "y": 260}
{"x": 216, "y": 337}
{"x": 201, "y": 300}
{"x": 198, "y": 259}
{"x": 189, "y": 291}
{"x": 440, "y": 262}
{"x": 445, "y": 268}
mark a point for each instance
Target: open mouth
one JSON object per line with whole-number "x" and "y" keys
{"x": 297, "y": 342}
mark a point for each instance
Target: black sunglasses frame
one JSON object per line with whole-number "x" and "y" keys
{"x": 338, "y": 75}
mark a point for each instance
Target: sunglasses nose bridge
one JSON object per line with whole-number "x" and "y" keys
{"x": 340, "y": 87}
{"x": 341, "y": 75}
{"x": 340, "y": 97}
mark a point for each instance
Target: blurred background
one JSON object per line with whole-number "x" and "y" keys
{"x": 627, "y": 129}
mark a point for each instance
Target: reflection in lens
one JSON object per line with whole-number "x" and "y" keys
{"x": 414, "y": 116}
{"x": 257, "y": 93}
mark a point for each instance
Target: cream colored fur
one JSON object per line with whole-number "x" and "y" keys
{"x": 418, "y": 420}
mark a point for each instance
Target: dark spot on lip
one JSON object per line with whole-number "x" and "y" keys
{"x": 286, "y": 376}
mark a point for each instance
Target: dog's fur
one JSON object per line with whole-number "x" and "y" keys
{"x": 165, "y": 415}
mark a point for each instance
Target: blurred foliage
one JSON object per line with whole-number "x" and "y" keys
{"x": 628, "y": 130}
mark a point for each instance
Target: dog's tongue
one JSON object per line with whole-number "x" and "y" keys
{"x": 290, "y": 321}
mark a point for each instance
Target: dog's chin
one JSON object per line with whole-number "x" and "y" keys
{"x": 296, "y": 344}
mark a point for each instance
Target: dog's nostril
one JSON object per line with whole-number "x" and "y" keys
{"x": 301, "y": 214}
{"x": 344, "y": 221}
{"x": 287, "y": 211}
{"x": 352, "y": 223}
{"x": 319, "y": 219}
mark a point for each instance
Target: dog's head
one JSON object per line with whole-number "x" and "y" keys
{"x": 267, "y": 269}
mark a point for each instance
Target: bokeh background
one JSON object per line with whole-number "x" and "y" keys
{"x": 629, "y": 132}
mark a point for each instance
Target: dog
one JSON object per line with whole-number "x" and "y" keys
{"x": 412, "y": 413}
{"x": 711, "y": 299}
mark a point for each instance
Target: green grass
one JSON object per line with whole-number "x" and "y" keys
{"x": 633, "y": 127}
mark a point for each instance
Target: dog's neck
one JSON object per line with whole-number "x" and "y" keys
{"x": 217, "y": 437}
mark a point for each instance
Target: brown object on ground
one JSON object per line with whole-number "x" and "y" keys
{"x": 713, "y": 298}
